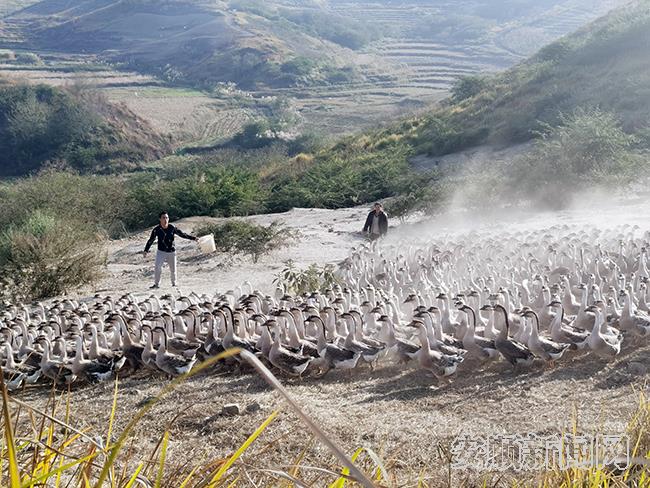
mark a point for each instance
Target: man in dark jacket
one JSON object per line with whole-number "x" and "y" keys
{"x": 165, "y": 233}
{"x": 376, "y": 223}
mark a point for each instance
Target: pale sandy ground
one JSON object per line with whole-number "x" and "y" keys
{"x": 325, "y": 237}
{"x": 400, "y": 413}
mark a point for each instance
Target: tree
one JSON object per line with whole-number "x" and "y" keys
{"x": 468, "y": 86}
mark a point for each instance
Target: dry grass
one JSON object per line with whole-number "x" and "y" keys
{"x": 171, "y": 441}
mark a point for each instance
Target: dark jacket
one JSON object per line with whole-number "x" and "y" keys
{"x": 166, "y": 238}
{"x": 383, "y": 222}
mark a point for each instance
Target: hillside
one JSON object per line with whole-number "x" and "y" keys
{"x": 192, "y": 42}
{"x": 42, "y": 125}
{"x": 582, "y": 102}
{"x": 340, "y": 65}
{"x": 593, "y": 131}
{"x": 604, "y": 65}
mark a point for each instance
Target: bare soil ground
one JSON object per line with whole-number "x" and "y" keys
{"x": 399, "y": 412}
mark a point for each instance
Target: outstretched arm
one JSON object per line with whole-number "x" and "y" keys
{"x": 151, "y": 240}
{"x": 182, "y": 234}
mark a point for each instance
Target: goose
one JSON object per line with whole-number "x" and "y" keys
{"x": 230, "y": 339}
{"x": 434, "y": 328}
{"x": 631, "y": 319}
{"x": 184, "y": 346}
{"x": 172, "y": 364}
{"x": 16, "y": 382}
{"x": 303, "y": 346}
{"x": 401, "y": 349}
{"x": 148, "y": 356}
{"x": 286, "y": 361}
{"x": 566, "y": 334}
{"x": 514, "y": 352}
{"x": 213, "y": 343}
{"x": 369, "y": 354}
{"x": 132, "y": 350}
{"x": 602, "y": 345}
{"x": 542, "y": 347}
{"x": 93, "y": 370}
{"x": 331, "y": 356}
{"x": 570, "y": 304}
{"x": 30, "y": 373}
{"x": 96, "y": 351}
{"x": 585, "y": 319}
{"x": 57, "y": 371}
{"x": 356, "y": 317}
{"x": 437, "y": 340}
{"x": 439, "y": 364}
{"x": 477, "y": 346}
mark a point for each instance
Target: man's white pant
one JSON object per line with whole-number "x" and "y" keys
{"x": 165, "y": 257}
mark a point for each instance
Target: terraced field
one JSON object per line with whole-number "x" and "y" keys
{"x": 436, "y": 66}
{"x": 190, "y": 115}
{"x": 9, "y": 6}
{"x": 426, "y": 63}
{"x": 406, "y": 72}
{"x": 528, "y": 35}
{"x": 412, "y": 66}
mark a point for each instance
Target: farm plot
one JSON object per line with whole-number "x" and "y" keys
{"x": 188, "y": 115}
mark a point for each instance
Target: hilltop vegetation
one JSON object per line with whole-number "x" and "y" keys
{"x": 604, "y": 65}
{"x": 596, "y": 79}
{"x": 312, "y": 19}
{"x": 41, "y": 125}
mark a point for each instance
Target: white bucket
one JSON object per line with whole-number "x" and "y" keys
{"x": 206, "y": 244}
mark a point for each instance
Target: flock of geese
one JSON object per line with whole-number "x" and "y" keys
{"x": 523, "y": 297}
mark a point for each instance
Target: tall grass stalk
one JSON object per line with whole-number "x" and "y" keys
{"x": 44, "y": 460}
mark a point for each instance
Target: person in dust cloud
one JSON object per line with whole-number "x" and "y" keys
{"x": 376, "y": 224}
{"x": 165, "y": 233}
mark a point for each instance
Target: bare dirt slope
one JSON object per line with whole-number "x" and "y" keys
{"x": 399, "y": 412}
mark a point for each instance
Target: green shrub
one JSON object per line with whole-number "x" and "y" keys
{"x": 100, "y": 202}
{"x": 468, "y": 86}
{"x": 314, "y": 278}
{"x": 253, "y": 135}
{"x": 241, "y": 237}
{"x": 299, "y": 66}
{"x": 78, "y": 129}
{"x": 44, "y": 257}
{"x": 7, "y": 55}
{"x": 214, "y": 191}
{"x": 587, "y": 148}
{"x": 335, "y": 28}
{"x": 343, "y": 177}
{"x": 403, "y": 206}
{"x": 28, "y": 58}
{"x": 306, "y": 143}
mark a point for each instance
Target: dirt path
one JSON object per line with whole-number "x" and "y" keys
{"x": 326, "y": 236}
